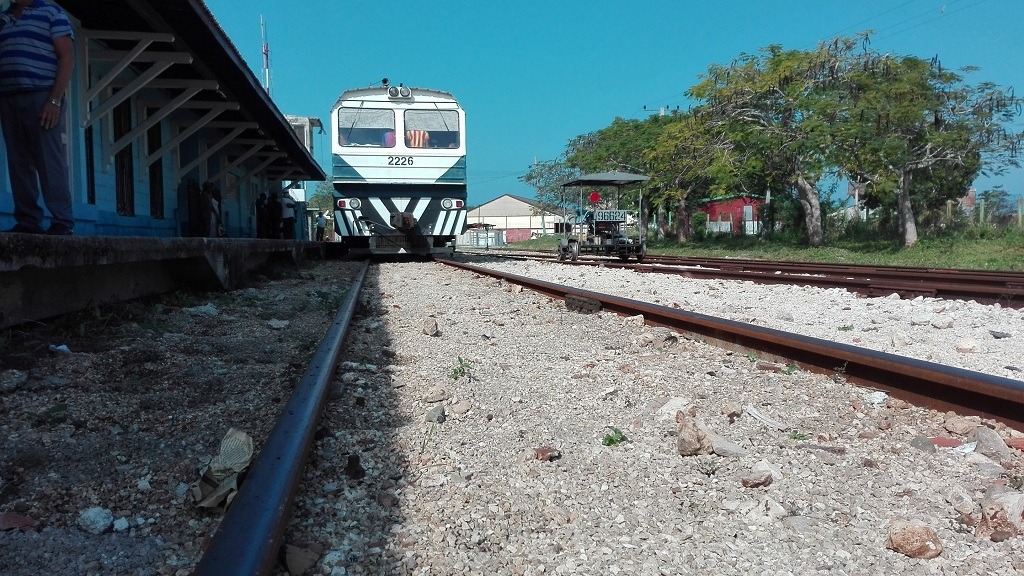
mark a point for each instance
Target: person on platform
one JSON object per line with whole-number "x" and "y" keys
{"x": 36, "y": 62}
{"x": 288, "y": 216}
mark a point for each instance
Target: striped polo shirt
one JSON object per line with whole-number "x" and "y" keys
{"x": 28, "y": 61}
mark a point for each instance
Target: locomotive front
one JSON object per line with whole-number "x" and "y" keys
{"x": 399, "y": 170}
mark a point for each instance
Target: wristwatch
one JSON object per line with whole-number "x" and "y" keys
{"x": 55, "y": 102}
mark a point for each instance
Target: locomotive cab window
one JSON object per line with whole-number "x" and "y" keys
{"x": 366, "y": 127}
{"x": 432, "y": 128}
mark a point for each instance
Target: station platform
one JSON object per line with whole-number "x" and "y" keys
{"x": 46, "y": 276}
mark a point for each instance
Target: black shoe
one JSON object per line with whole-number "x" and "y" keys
{"x": 23, "y": 229}
{"x": 58, "y": 230}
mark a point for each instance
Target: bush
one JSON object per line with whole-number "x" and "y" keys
{"x": 699, "y": 223}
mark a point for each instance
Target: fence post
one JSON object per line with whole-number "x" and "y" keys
{"x": 981, "y": 212}
{"x": 1020, "y": 212}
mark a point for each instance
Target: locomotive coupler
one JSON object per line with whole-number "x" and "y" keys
{"x": 403, "y": 221}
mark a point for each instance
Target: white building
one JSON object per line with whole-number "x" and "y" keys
{"x": 517, "y": 217}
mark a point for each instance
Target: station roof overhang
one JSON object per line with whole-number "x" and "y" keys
{"x": 178, "y": 46}
{"x": 617, "y": 179}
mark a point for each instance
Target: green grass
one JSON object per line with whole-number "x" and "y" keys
{"x": 614, "y": 438}
{"x": 976, "y": 249}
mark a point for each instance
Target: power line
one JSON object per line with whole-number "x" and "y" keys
{"x": 857, "y": 25}
{"x": 508, "y": 175}
{"x": 942, "y": 10}
{"x": 941, "y": 15}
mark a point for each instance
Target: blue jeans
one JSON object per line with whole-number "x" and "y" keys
{"x": 36, "y": 160}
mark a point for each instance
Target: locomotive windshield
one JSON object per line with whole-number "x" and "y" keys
{"x": 366, "y": 127}
{"x": 432, "y": 128}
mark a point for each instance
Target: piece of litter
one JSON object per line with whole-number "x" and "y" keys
{"x": 63, "y": 348}
{"x": 966, "y": 448}
{"x": 218, "y": 480}
{"x": 754, "y": 412}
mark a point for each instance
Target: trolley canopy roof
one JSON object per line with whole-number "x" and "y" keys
{"x": 606, "y": 179}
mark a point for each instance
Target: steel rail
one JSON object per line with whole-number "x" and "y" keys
{"x": 875, "y": 270}
{"x": 1012, "y": 296}
{"x": 1006, "y": 289}
{"x": 249, "y": 537}
{"x": 919, "y": 382}
{"x": 914, "y": 273}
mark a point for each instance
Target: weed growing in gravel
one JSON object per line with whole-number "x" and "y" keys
{"x": 53, "y": 415}
{"x": 330, "y": 300}
{"x": 461, "y": 370}
{"x": 149, "y": 319}
{"x": 790, "y": 368}
{"x": 794, "y": 435}
{"x": 752, "y": 356}
{"x": 846, "y": 328}
{"x": 708, "y": 465}
{"x": 1017, "y": 482}
{"x": 426, "y": 438}
{"x": 839, "y": 371}
{"x": 614, "y": 438}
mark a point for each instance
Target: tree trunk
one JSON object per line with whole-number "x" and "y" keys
{"x": 661, "y": 221}
{"x": 682, "y": 222}
{"x": 808, "y": 194}
{"x": 645, "y": 217}
{"x": 906, "y": 210}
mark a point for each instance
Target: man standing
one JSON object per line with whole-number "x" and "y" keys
{"x": 321, "y": 225}
{"x": 36, "y": 61}
{"x": 288, "y": 216}
{"x": 261, "y": 216}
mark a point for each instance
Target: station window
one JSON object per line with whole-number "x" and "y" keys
{"x": 366, "y": 127}
{"x": 432, "y": 128}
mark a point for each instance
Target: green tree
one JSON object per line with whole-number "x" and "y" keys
{"x": 322, "y": 197}
{"x": 920, "y": 134}
{"x": 690, "y": 155}
{"x": 774, "y": 105}
{"x": 999, "y": 209}
{"x": 547, "y": 177}
{"x": 623, "y": 146}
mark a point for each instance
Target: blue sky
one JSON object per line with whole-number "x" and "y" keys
{"x": 532, "y": 75}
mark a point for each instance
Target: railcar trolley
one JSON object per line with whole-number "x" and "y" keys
{"x": 398, "y": 170}
{"x": 603, "y": 232}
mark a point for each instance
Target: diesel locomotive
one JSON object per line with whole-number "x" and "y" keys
{"x": 398, "y": 170}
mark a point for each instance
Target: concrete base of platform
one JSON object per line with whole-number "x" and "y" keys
{"x": 46, "y": 276}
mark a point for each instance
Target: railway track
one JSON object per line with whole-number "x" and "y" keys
{"x": 989, "y": 287}
{"x": 921, "y": 383}
{"x": 249, "y": 538}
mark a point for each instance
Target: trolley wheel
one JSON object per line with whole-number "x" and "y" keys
{"x": 574, "y": 248}
{"x": 561, "y": 253}
{"x": 642, "y": 253}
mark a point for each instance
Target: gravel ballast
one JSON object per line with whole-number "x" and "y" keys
{"x": 476, "y": 428}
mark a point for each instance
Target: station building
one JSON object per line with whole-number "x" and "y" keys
{"x": 161, "y": 104}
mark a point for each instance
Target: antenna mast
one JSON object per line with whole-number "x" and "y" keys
{"x": 266, "y": 55}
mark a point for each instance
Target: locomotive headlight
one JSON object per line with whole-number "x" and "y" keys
{"x": 393, "y": 91}
{"x": 447, "y": 204}
{"x": 404, "y": 92}
{"x": 354, "y": 203}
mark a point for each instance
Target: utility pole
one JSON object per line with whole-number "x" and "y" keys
{"x": 266, "y": 55}
{"x": 543, "y": 210}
